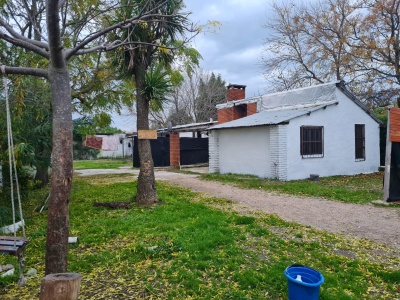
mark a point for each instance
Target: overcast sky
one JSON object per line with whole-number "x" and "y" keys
{"x": 234, "y": 50}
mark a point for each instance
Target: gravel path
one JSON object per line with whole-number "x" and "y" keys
{"x": 379, "y": 224}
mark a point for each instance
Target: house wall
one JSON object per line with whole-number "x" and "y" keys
{"x": 242, "y": 151}
{"x": 339, "y": 142}
{"x": 123, "y": 148}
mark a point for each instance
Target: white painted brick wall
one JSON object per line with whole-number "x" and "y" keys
{"x": 278, "y": 144}
{"x": 213, "y": 150}
{"x": 282, "y": 152}
{"x": 274, "y": 136}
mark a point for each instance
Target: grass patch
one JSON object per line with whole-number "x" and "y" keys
{"x": 102, "y": 164}
{"x": 360, "y": 189}
{"x": 194, "y": 247}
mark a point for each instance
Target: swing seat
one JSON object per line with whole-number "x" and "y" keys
{"x": 7, "y": 245}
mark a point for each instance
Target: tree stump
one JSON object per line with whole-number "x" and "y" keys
{"x": 60, "y": 286}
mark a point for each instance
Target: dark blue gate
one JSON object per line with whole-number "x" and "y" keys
{"x": 193, "y": 151}
{"x": 159, "y": 151}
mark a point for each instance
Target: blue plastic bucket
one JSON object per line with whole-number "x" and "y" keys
{"x": 303, "y": 282}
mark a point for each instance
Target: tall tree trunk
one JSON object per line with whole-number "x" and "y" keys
{"x": 58, "y": 213}
{"x": 146, "y": 188}
{"x": 42, "y": 175}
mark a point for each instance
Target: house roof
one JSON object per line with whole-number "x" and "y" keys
{"x": 310, "y": 95}
{"x": 273, "y": 116}
{"x": 274, "y": 108}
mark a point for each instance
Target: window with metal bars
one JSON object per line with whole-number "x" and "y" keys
{"x": 312, "y": 141}
{"x": 359, "y": 133}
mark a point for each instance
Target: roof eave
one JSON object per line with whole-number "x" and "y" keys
{"x": 255, "y": 125}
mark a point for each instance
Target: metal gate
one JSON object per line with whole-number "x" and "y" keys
{"x": 159, "y": 152}
{"x": 193, "y": 151}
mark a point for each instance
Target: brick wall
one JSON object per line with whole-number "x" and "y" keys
{"x": 278, "y": 147}
{"x": 175, "y": 150}
{"x": 239, "y": 111}
{"x": 236, "y": 112}
{"x": 251, "y": 108}
{"x": 225, "y": 115}
{"x": 213, "y": 151}
{"x": 235, "y": 93}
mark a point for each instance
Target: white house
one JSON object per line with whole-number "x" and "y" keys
{"x": 116, "y": 146}
{"x": 290, "y": 135}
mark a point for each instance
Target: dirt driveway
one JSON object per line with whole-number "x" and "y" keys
{"x": 379, "y": 224}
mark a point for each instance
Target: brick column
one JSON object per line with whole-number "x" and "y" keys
{"x": 213, "y": 150}
{"x": 235, "y": 92}
{"x": 174, "y": 150}
{"x": 278, "y": 150}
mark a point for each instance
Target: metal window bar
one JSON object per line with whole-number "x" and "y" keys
{"x": 312, "y": 141}
{"x": 359, "y": 132}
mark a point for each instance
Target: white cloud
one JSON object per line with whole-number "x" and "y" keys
{"x": 244, "y": 55}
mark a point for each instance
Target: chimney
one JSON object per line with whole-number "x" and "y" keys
{"x": 235, "y": 92}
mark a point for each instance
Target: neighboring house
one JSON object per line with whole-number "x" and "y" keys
{"x": 321, "y": 130}
{"x": 115, "y": 145}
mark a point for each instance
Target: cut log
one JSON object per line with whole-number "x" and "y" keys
{"x": 60, "y": 286}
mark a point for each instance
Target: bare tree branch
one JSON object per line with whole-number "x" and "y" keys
{"x": 26, "y": 71}
{"x": 21, "y": 38}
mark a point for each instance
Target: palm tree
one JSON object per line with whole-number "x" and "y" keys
{"x": 157, "y": 36}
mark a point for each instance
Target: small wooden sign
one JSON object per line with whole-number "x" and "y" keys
{"x": 147, "y": 134}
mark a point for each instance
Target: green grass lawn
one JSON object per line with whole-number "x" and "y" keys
{"x": 194, "y": 247}
{"x": 102, "y": 164}
{"x": 361, "y": 189}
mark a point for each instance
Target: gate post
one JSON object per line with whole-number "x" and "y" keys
{"x": 175, "y": 150}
